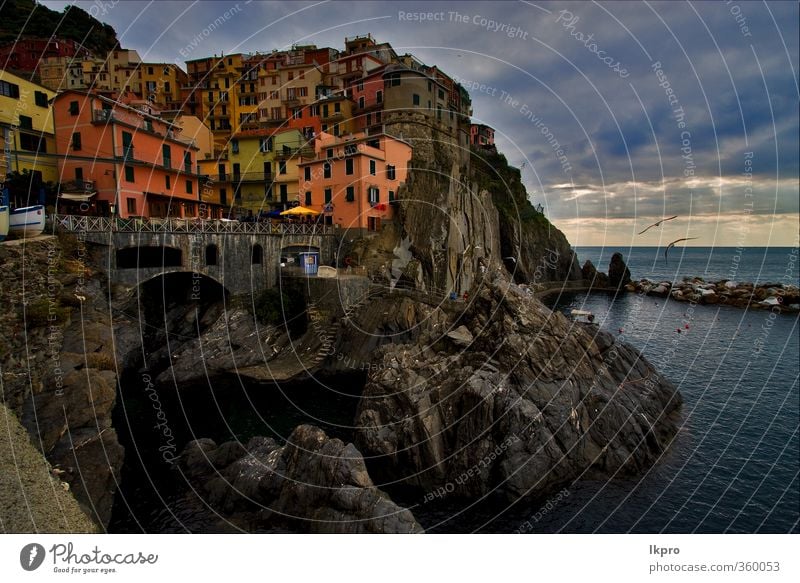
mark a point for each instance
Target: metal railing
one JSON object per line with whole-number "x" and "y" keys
{"x": 81, "y": 224}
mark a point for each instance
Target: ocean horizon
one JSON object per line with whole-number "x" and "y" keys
{"x": 741, "y": 264}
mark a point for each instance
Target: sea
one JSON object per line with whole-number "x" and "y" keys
{"x": 734, "y": 466}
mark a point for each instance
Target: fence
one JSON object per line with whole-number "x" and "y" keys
{"x": 76, "y": 223}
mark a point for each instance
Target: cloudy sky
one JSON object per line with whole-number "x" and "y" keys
{"x": 618, "y": 113}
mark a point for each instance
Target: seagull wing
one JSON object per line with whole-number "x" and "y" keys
{"x": 648, "y": 228}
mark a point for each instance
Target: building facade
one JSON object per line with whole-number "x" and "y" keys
{"x": 131, "y": 162}
{"x": 354, "y": 181}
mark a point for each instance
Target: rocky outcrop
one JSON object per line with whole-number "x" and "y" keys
{"x": 532, "y": 402}
{"x": 58, "y": 364}
{"x": 768, "y": 296}
{"x": 32, "y": 497}
{"x": 594, "y": 278}
{"x": 311, "y": 484}
{"x": 618, "y": 273}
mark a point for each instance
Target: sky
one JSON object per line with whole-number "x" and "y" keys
{"x": 617, "y": 113}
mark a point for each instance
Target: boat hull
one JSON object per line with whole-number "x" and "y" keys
{"x": 26, "y": 222}
{"x": 3, "y": 222}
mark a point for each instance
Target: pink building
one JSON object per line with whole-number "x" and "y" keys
{"x": 354, "y": 180}
{"x": 481, "y": 135}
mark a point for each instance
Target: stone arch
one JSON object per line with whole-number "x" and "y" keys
{"x": 257, "y": 255}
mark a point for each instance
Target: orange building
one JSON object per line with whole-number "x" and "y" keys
{"x": 354, "y": 180}
{"x": 129, "y": 161}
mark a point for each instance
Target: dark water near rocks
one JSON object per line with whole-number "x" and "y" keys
{"x": 752, "y": 264}
{"x": 734, "y": 466}
{"x": 735, "y": 463}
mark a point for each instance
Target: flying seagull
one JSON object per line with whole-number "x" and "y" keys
{"x": 671, "y": 245}
{"x": 658, "y": 223}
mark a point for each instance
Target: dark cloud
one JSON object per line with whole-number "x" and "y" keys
{"x": 737, "y": 86}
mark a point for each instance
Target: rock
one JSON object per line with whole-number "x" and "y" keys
{"x": 531, "y": 404}
{"x": 461, "y": 336}
{"x": 590, "y": 274}
{"x": 618, "y": 272}
{"x": 311, "y": 484}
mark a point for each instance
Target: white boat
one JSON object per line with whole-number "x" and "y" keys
{"x": 3, "y": 222}
{"x": 27, "y": 222}
{"x": 582, "y": 316}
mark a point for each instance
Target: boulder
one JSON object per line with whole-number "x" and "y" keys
{"x": 594, "y": 277}
{"x": 313, "y": 483}
{"x": 618, "y": 272}
{"x": 461, "y": 336}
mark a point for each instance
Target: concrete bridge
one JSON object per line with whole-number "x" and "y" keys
{"x": 241, "y": 257}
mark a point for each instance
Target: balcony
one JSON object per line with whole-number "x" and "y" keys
{"x": 81, "y": 186}
{"x": 286, "y": 153}
{"x": 249, "y": 177}
{"x": 125, "y": 153}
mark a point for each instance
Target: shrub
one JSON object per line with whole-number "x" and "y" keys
{"x": 279, "y": 309}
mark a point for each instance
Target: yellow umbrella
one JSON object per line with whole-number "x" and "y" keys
{"x": 299, "y": 210}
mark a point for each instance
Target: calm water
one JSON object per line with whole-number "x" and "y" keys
{"x": 754, "y": 264}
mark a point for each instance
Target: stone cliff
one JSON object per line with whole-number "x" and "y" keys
{"x": 58, "y": 364}
{"x": 513, "y": 398}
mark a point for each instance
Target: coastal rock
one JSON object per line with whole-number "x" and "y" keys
{"x": 461, "y": 336}
{"x": 312, "y": 484}
{"x": 618, "y": 272}
{"x": 534, "y": 402}
{"x": 594, "y": 277}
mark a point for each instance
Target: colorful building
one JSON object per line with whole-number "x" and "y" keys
{"x": 355, "y": 180}
{"x": 129, "y": 161}
{"x": 481, "y": 135}
{"x": 264, "y": 169}
{"x": 26, "y": 123}
{"x": 25, "y": 54}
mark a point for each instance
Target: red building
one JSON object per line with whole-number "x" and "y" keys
{"x": 25, "y": 54}
{"x": 481, "y": 135}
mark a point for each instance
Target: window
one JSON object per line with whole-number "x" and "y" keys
{"x": 10, "y": 90}
{"x": 149, "y": 70}
{"x": 131, "y": 204}
{"x": 361, "y": 102}
{"x": 32, "y": 143}
{"x": 187, "y": 162}
{"x": 308, "y": 198}
{"x": 40, "y": 98}
{"x": 234, "y": 146}
{"x": 264, "y": 145}
{"x": 25, "y": 122}
{"x": 307, "y": 173}
{"x": 326, "y": 170}
{"x": 223, "y": 196}
{"x": 374, "y": 195}
{"x": 441, "y": 94}
{"x": 394, "y": 79}
{"x": 166, "y": 154}
{"x": 129, "y": 174}
{"x": 257, "y": 256}
{"x": 211, "y": 254}
{"x": 167, "y": 182}
{"x": 236, "y": 171}
{"x": 328, "y": 195}
{"x": 227, "y": 82}
{"x": 284, "y": 192}
{"x": 188, "y": 187}
{"x": 372, "y": 167}
{"x": 325, "y": 110}
{"x": 415, "y": 99}
{"x": 78, "y": 174}
{"x": 211, "y": 97}
{"x": 282, "y": 167}
{"x": 337, "y": 107}
{"x": 374, "y": 223}
{"x": 360, "y": 86}
{"x": 268, "y": 169}
{"x": 350, "y": 195}
{"x": 369, "y": 119}
{"x": 391, "y": 196}
{"x": 329, "y": 153}
{"x": 350, "y": 149}
{"x": 390, "y": 172}
{"x": 221, "y": 172}
{"x": 430, "y": 86}
{"x": 379, "y": 97}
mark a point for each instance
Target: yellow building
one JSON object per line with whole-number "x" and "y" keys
{"x": 161, "y": 84}
{"x": 26, "y": 123}
{"x": 263, "y": 169}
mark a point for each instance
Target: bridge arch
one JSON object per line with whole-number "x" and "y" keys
{"x": 183, "y": 286}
